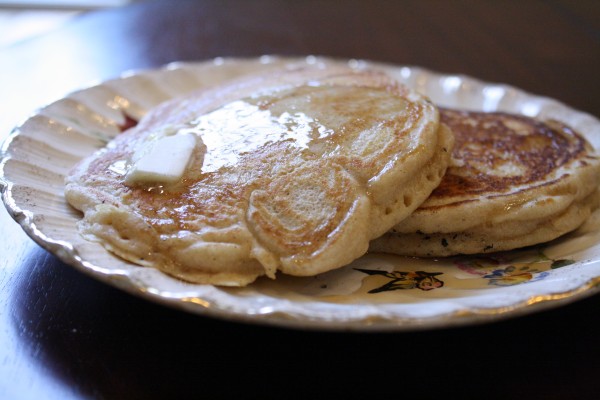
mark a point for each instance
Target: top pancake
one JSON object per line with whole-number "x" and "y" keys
{"x": 514, "y": 181}
{"x": 295, "y": 171}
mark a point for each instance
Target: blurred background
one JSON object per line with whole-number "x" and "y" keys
{"x": 23, "y": 19}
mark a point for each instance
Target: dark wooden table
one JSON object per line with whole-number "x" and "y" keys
{"x": 65, "y": 335}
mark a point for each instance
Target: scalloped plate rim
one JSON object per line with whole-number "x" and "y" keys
{"x": 464, "y": 316}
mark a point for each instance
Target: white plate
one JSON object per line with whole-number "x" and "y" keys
{"x": 467, "y": 290}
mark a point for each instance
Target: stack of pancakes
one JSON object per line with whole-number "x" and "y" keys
{"x": 302, "y": 170}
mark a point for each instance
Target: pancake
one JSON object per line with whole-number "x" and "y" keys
{"x": 513, "y": 182}
{"x": 294, "y": 172}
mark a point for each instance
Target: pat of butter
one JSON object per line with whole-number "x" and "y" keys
{"x": 163, "y": 160}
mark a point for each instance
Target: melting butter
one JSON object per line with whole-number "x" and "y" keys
{"x": 163, "y": 160}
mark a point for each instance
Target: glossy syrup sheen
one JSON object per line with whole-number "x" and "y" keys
{"x": 250, "y": 142}
{"x": 310, "y": 118}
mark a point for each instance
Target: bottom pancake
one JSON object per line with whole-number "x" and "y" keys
{"x": 486, "y": 239}
{"x": 514, "y": 182}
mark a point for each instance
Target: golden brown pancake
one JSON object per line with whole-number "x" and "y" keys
{"x": 295, "y": 172}
{"x": 514, "y": 181}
